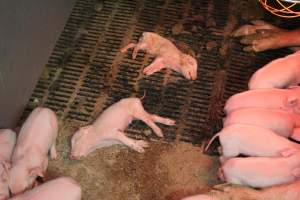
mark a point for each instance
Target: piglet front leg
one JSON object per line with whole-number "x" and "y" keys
{"x": 137, "y": 145}
{"x": 130, "y": 46}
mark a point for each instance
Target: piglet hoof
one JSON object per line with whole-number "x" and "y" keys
{"x": 56, "y": 157}
{"x": 169, "y": 122}
{"x": 159, "y": 133}
{"x": 139, "y": 146}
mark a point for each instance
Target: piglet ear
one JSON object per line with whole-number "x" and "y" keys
{"x": 36, "y": 171}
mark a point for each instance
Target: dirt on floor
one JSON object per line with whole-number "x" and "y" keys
{"x": 164, "y": 172}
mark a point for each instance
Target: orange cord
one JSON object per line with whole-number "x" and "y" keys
{"x": 285, "y": 11}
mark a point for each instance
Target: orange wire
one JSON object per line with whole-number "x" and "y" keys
{"x": 285, "y": 12}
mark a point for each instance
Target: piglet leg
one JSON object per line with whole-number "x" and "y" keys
{"x": 135, "y": 50}
{"x": 137, "y": 145}
{"x": 129, "y": 46}
{"x": 155, "y": 66}
{"x": 296, "y": 134}
{"x": 145, "y": 117}
{"x": 53, "y": 152}
{"x": 163, "y": 120}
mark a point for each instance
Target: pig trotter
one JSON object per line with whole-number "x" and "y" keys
{"x": 137, "y": 145}
{"x": 156, "y": 66}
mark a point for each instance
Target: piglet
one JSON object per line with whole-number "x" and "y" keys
{"x": 7, "y": 144}
{"x": 281, "y": 122}
{"x": 261, "y": 36}
{"x": 30, "y": 158}
{"x": 280, "y": 73}
{"x": 108, "y": 129}
{"x": 63, "y": 188}
{"x": 225, "y": 191}
{"x": 285, "y": 99}
{"x": 251, "y": 140}
{"x": 261, "y": 172}
{"x": 166, "y": 53}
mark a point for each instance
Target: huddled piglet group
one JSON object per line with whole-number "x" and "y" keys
{"x": 259, "y": 125}
{"x": 24, "y": 158}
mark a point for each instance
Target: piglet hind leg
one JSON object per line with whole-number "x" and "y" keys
{"x": 145, "y": 117}
{"x": 137, "y": 145}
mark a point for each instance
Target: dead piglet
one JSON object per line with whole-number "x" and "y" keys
{"x": 109, "y": 128}
{"x": 285, "y": 99}
{"x": 261, "y": 36}
{"x": 63, "y": 188}
{"x": 272, "y": 75}
{"x": 166, "y": 53}
{"x": 30, "y": 158}
{"x": 7, "y": 144}
{"x": 262, "y": 172}
{"x": 251, "y": 140}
